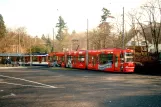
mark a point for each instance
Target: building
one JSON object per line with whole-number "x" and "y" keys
{"x": 138, "y": 40}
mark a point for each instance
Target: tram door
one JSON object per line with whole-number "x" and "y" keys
{"x": 94, "y": 62}
{"x": 117, "y": 62}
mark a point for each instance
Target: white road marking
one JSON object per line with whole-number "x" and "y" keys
{"x": 11, "y": 95}
{"x": 29, "y": 81}
{"x": 24, "y": 85}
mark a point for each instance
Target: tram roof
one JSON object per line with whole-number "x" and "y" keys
{"x": 11, "y": 54}
{"x": 20, "y": 54}
{"x": 36, "y": 53}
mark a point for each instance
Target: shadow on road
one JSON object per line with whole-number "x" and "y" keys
{"x": 135, "y": 101}
{"x": 149, "y": 69}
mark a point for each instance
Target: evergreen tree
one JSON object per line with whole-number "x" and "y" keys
{"x": 105, "y": 28}
{"x": 106, "y": 13}
{"x": 60, "y": 25}
{"x": 2, "y": 27}
{"x": 73, "y": 32}
{"x": 43, "y": 37}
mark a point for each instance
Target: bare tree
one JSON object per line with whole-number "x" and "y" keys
{"x": 153, "y": 10}
{"x": 95, "y": 40}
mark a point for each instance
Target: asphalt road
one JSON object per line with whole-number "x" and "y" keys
{"x": 47, "y": 87}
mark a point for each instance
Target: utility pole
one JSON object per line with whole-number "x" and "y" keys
{"x": 30, "y": 53}
{"x": 134, "y": 34}
{"x": 18, "y": 43}
{"x": 87, "y": 34}
{"x": 123, "y": 29}
{"x": 53, "y": 40}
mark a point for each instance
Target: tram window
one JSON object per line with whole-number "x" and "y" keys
{"x": 43, "y": 58}
{"x": 90, "y": 59}
{"x": 62, "y": 58}
{"x": 34, "y": 58}
{"x": 27, "y": 58}
{"x": 49, "y": 58}
{"x": 94, "y": 60}
{"x": 81, "y": 58}
{"x": 69, "y": 57}
{"x": 97, "y": 60}
{"x": 116, "y": 60}
{"x": 13, "y": 58}
{"x": 122, "y": 57}
{"x": 21, "y": 59}
{"x": 106, "y": 58}
{"x": 55, "y": 57}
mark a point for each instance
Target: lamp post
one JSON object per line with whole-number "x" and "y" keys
{"x": 87, "y": 34}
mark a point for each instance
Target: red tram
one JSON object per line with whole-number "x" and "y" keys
{"x": 111, "y": 60}
{"x": 58, "y": 57}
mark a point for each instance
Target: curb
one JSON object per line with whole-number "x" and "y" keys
{"x": 11, "y": 67}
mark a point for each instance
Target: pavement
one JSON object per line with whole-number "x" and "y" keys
{"x": 10, "y": 67}
{"x": 61, "y": 87}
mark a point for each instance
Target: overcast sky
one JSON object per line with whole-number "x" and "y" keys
{"x": 41, "y": 16}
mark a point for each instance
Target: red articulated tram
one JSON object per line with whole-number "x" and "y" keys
{"x": 110, "y": 60}
{"x": 57, "y": 57}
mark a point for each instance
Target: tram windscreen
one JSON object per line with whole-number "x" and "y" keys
{"x": 128, "y": 54}
{"x": 129, "y": 57}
